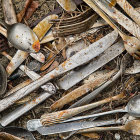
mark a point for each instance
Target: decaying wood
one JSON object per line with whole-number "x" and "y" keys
{"x": 90, "y": 85}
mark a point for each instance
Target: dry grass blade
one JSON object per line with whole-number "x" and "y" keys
{"x": 56, "y": 117}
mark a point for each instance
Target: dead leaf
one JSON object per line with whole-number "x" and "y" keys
{"x": 49, "y": 63}
{"x": 34, "y": 5}
{"x": 23, "y": 11}
{"x": 53, "y": 66}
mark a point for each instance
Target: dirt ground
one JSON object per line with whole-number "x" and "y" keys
{"x": 46, "y": 6}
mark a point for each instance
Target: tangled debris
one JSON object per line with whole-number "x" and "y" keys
{"x": 64, "y": 58}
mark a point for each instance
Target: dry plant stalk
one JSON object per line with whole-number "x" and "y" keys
{"x": 56, "y": 117}
{"x": 80, "y": 91}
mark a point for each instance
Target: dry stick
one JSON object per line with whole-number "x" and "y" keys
{"x": 57, "y": 117}
{"x": 80, "y": 91}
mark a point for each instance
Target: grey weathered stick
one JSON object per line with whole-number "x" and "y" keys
{"x": 80, "y": 58}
